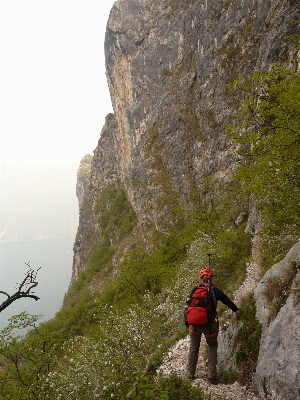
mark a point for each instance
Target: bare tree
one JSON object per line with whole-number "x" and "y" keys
{"x": 24, "y": 289}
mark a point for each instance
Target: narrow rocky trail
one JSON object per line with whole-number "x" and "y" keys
{"x": 177, "y": 357}
{"x": 253, "y": 271}
{"x": 176, "y": 362}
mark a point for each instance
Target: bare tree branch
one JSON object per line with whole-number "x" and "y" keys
{"x": 23, "y": 290}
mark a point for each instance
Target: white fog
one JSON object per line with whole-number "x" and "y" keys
{"x": 54, "y": 99}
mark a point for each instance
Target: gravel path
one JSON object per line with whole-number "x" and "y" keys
{"x": 176, "y": 363}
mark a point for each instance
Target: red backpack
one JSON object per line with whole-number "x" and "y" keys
{"x": 199, "y": 307}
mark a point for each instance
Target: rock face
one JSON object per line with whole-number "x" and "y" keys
{"x": 83, "y": 178}
{"x": 103, "y": 170}
{"x": 168, "y": 65}
{"x": 278, "y": 367}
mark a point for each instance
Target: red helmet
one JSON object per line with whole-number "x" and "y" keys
{"x": 205, "y": 271}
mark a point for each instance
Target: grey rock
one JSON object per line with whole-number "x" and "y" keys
{"x": 168, "y": 64}
{"x": 226, "y": 347}
{"x": 278, "y": 367}
{"x": 254, "y": 223}
{"x": 83, "y": 181}
{"x": 103, "y": 171}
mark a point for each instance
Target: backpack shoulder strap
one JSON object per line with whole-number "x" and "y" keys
{"x": 194, "y": 290}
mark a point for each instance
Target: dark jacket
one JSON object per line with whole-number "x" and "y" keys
{"x": 225, "y": 299}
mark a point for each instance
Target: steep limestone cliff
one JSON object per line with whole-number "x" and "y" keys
{"x": 168, "y": 65}
{"x": 103, "y": 170}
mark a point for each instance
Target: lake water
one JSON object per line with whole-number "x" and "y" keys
{"x": 54, "y": 256}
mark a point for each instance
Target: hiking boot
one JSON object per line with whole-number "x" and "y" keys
{"x": 212, "y": 381}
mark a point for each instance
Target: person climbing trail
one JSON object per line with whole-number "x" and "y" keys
{"x": 201, "y": 318}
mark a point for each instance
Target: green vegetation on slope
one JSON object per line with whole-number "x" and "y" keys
{"x": 247, "y": 340}
{"x": 111, "y": 338}
{"x": 268, "y": 135}
{"x": 116, "y": 219}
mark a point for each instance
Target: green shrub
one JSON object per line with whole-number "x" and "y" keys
{"x": 164, "y": 388}
{"x": 116, "y": 215}
{"x": 229, "y": 377}
{"x": 266, "y": 132}
{"x": 27, "y": 359}
{"x": 247, "y": 339}
{"x": 165, "y": 71}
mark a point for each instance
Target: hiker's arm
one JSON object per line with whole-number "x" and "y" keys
{"x": 225, "y": 299}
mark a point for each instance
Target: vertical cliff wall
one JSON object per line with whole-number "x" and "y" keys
{"x": 168, "y": 64}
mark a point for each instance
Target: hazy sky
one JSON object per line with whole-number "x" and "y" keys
{"x": 54, "y": 94}
{"x": 54, "y": 99}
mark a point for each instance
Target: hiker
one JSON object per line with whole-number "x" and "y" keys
{"x": 201, "y": 318}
